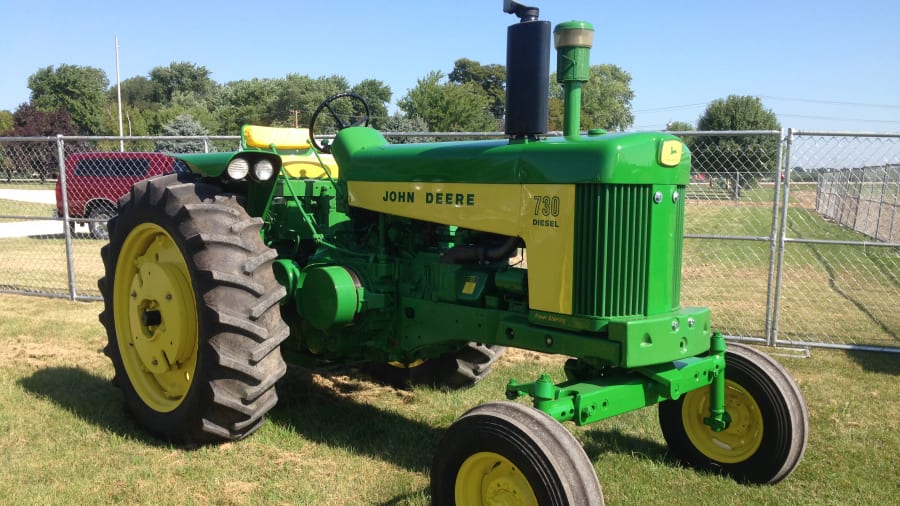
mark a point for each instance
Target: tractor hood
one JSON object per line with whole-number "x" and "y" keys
{"x": 625, "y": 158}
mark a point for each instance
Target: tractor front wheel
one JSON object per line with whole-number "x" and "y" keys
{"x": 191, "y": 311}
{"x": 508, "y": 453}
{"x": 768, "y": 427}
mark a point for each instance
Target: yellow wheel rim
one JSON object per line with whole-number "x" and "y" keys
{"x": 743, "y": 436}
{"x": 155, "y": 317}
{"x": 487, "y": 478}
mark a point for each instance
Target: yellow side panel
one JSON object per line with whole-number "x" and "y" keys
{"x": 486, "y": 207}
{"x": 542, "y": 215}
{"x": 548, "y": 227}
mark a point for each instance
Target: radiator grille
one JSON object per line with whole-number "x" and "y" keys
{"x": 611, "y": 250}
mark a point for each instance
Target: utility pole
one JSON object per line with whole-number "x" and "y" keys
{"x": 119, "y": 94}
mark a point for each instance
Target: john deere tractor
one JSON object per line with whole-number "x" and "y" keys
{"x": 408, "y": 257}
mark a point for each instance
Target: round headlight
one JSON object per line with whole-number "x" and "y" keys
{"x": 238, "y": 168}
{"x": 263, "y": 170}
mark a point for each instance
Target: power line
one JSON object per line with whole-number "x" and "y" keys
{"x": 839, "y": 119}
{"x": 831, "y": 102}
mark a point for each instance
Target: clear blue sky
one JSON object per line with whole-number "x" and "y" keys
{"x": 819, "y": 65}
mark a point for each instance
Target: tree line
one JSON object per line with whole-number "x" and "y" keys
{"x": 78, "y": 100}
{"x": 182, "y": 99}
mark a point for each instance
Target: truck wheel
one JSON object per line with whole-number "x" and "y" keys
{"x": 191, "y": 311}
{"x": 508, "y": 453}
{"x": 456, "y": 369}
{"x": 99, "y": 229}
{"x": 769, "y": 421}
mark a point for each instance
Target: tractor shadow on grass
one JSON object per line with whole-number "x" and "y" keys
{"x": 598, "y": 442}
{"x": 92, "y": 398}
{"x": 878, "y": 362}
{"x": 329, "y": 407}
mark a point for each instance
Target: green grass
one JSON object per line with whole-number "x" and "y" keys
{"x": 19, "y": 208}
{"x": 338, "y": 438}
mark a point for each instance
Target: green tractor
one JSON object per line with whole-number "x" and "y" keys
{"x": 399, "y": 255}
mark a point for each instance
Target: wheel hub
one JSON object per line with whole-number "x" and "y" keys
{"x": 490, "y": 479}
{"x": 734, "y": 444}
{"x": 156, "y": 318}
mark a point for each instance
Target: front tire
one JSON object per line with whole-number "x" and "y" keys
{"x": 507, "y": 453}
{"x": 191, "y": 311}
{"x": 769, "y": 421}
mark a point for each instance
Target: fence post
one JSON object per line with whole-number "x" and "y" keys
{"x": 67, "y": 231}
{"x": 772, "y": 338}
{"x": 773, "y": 236}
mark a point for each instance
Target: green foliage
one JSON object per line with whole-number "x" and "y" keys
{"x": 737, "y": 113}
{"x": 6, "y": 122}
{"x": 491, "y": 79}
{"x": 377, "y": 95}
{"x": 740, "y": 159}
{"x": 302, "y": 93}
{"x": 402, "y": 123}
{"x": 449, "y": 107}
{"x": 605, "y": 100}
{"x": 81, "y": 91}
{"x": 180, "y": 77}
{"x": 244, "y": 102}
{"x": 137, "y": 92}
{"x": 679, "y": 126}
{"x": 182, "y": 125}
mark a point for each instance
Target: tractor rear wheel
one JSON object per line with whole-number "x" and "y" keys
{"x": 769, "y": 421}
{"x": 191, "y": 311}
{"x": 508, "y": 453}
{"x": 456, "y": 369}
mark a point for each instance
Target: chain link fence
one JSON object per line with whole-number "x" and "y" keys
{"x": 790, "y": 237}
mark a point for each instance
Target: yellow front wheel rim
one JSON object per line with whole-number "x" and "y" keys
{"x": 155, "y": 317}
{"x": 740, "y": 440}
{"x": 491, "y": 479}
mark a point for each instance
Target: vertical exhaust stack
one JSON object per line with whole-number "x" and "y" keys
{"x": 527, "y": 69}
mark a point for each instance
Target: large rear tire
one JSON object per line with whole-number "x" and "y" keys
{"x": 507, "y": 453}
{"x": 769, "y": 421}
{"x": 191, "y": 311}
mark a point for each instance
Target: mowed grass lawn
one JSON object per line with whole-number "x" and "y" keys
{"x": 338, "y": 438}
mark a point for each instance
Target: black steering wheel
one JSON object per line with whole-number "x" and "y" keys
{"x": 343, "y": 112}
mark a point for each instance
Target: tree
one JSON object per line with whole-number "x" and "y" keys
{"x": 491, "y": 78}
{"x": 244, "y": 102}
{"x": 81, "y": 91}
{"x": 400, "y": 122}
{"x": 679, "y": 126}
{"x": 39, "y": 159}
{"x": 378, "y": 96}
{"x": 183, "y": 77}
{"x": 605, "y": 100}
{"x": 303, "y": 94}
{"x": 6, "y": 122}
{"x": 741, "y": 159}
{"x": 182, "y": 125}
{"x": 137, "y": 92}
{"x": 449, "y": 107}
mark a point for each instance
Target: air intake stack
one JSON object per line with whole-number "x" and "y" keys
{"x": 573, "y": 41}
{"x": 527, "y": 69}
